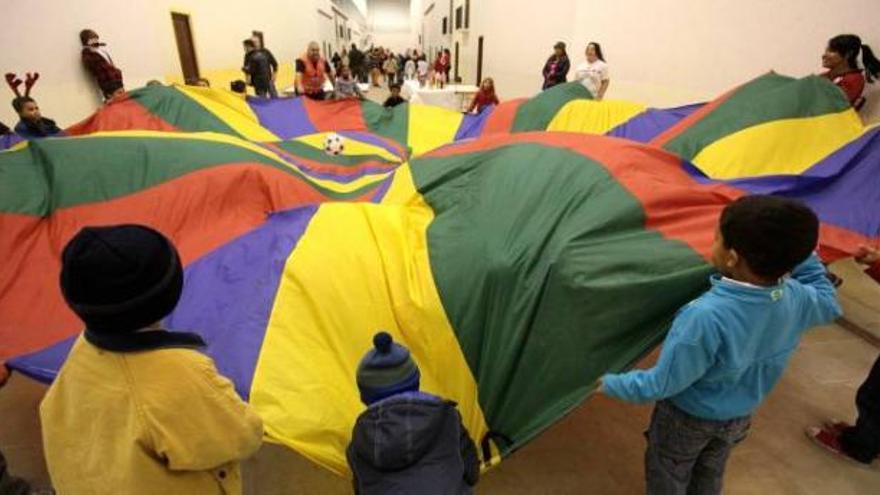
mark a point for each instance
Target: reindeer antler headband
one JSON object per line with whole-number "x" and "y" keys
{"x": 14, "y": 82}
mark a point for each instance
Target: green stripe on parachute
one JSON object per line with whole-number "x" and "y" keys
{"x": 303, "y": 150}
{"x": 179, "y": 110}
{"x": 390, "y": 123}
{"x": 765, "y": 99}
{"x": 544, "y": 276}
{"x": 537, "y": 113}
{"x": 90, "y": 169}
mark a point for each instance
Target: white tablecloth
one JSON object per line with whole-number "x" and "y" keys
{"x": 453, "y": 96}
{"x": 408, "y": 88}
{"x": 328, "y": 88}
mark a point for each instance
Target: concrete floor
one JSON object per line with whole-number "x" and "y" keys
{"x": 378, "y": 95}
{"x": 597, "y": 449}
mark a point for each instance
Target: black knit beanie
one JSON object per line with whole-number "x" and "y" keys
{"x": 121, "y": 278}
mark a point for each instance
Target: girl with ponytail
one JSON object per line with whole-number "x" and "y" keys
{"x": 841, "y": 60}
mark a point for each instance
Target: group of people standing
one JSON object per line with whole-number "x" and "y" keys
{"x": 98, "y": 63}
{"x": 840, "y": 59}
{"x": 592, "y": 73}
{"x": 377, "y": 64}
{"x": 343, "y": 71}
{"x": 261, "y": 70}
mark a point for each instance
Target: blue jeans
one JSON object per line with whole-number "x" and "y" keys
{"x": 686, "y": 455}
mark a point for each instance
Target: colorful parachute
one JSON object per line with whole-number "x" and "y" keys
{"x": 510, "y": 259}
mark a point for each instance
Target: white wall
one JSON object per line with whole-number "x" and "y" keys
{"x": 512, "y": 54}
{"x": 361, "y": 6}
{"x": 432, "y": 28}
{"x": 394, "y": 24}
{"x": 396, "y": 42}
{"x": 661, "y": 52}
{"x": 140, "y": 38}
{"x": 679, "y": 51}
{"x": 352, "y": 17}
{"x": 327, "y": 33}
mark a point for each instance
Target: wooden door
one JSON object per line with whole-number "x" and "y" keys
{"x": 185, "y": 47}
{"x": 457, "y": 79}
{"x": 479, "y": 60}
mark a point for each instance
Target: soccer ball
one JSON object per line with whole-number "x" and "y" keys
{"x": 334, "y": 144}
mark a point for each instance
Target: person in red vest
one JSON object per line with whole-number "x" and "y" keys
{"x": 841, "y": 60}
{"x": 860, "y": 442}
{"x": 312, "y": 71}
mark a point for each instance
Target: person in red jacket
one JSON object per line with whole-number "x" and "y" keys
{"x": 97, "y": 61}
{"x": 441, "y": 69}
{"x": 485, "y": 97}
{"x": 859, "y": 442}
{"x": 841, "y": 60}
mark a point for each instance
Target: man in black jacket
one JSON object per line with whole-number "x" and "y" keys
{"x": 260, "y": 67}
{"x": 356, "y": 60}
{"x": 407, "y": 441}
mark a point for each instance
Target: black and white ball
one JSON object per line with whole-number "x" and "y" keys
{"x": 334, "y": 144}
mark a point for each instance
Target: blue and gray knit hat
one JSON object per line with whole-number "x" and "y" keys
{"x": 386, "y": 370}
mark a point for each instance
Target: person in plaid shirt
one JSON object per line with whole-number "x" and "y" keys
{"x": 98, "y": 62}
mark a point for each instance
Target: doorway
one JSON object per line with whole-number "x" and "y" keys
{"x": 457, "y": 78}
{"x": 185, "y": 47}
{"x": 479, "y": 60}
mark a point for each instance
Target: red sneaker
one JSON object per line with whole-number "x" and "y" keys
{"x": 835, "y": 425}
{"x": 828, "y": 437}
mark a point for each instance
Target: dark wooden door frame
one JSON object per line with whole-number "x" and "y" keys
{"x": 479, "y": 60}
{"x": 186, "y": 49}
{"x": 457, "y": 78}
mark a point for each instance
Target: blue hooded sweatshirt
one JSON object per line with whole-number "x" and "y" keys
{"x": 728, "y": 348}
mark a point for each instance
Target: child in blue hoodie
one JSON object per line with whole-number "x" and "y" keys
{"x": 728, "y": 348}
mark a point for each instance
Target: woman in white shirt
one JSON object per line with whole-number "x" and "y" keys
{"x": 593, "y": 73}
{"x": 409, "y": 69}
{"x": 423, "y": 68}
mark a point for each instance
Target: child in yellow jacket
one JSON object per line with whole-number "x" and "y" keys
{"x": 137, "y": 409}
